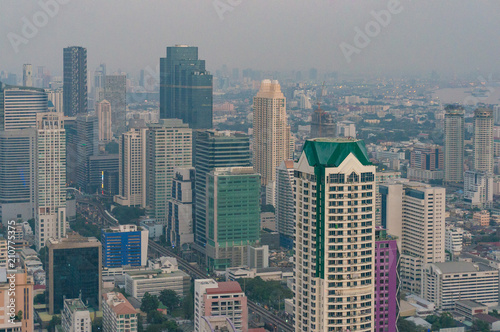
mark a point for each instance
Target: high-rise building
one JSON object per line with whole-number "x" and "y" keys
{"x": 56, "y": 98}
{"x": 101, "y": 166}
{"x": 115, "y": 92}
{"x": 99, "y": 82}
{"x": 132, "y": 178}
{"x": 391, "y": 209}
{"x": 271, "y": 131}
{"x": 423, "y": 232}
{"x": 16, "y": 295}
{"x": 214, "y": 149}
{"x": 118, "y": 314}
{"x": 74, "y": 271}
{"x": 27, "y": 75}
{"x": 483, "y": 140}
{"x": 75, "y": 317}
{"x": 478, "y": 189}
{"x": 103, "y": 110}
{"x": 386, "y": 281}
{"x": 285, "y": 220}
{"x": 87, "y": 134}
{"x": 169, "y": 145}
{"x": 20, "y": 105}
{"x": 454, "y": 239}
{"x": 75, "y": 80}
{"x": 346, "y": 129}
{"x": 185, "y": 87}
{"x": 220, "y": 299}
{"x": 180, "y": 209}
{"x": 334, "y": 237}
{"x": 124, "y": 245}
{"x": 233, "y": 216}
{"x": 322, "y": 124}
{"x": 454, "y": 144}
{"x": 50, "y": 178}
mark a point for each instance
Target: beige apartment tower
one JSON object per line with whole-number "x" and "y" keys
{"x": 271, "y": 131}
{"x": 454, "y": 144}
{"x": 483, "y": 140}
{"x": 103, "y": 109}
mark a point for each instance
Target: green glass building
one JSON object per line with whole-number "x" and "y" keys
{"x": 233, "y": 216}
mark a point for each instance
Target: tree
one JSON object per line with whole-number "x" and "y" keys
{"x": 39, "y": 298}
{"x": 149, "y": 303}
{"x": 480, "y": 326}
{"x": 56, "y": 320}
{"x": 170, "y": 299}
{"x": 97, "y": 324}
{"x": 408, "y": 326}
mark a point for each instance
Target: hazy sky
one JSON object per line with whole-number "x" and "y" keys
{"x": 449, "y": 36}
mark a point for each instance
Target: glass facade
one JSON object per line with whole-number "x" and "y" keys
{"x": 75, "y": 80}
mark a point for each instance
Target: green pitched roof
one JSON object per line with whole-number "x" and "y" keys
{"x": 331, "y": 152}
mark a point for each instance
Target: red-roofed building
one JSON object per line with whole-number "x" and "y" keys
{"x": 220, "y": 299}
{"x": 118, "y": 314}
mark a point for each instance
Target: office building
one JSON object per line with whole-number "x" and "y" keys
{"x": 14, "y": 301}
{"x": 233, "y": 216}
{"x": 169, "y": 145}
{"x": 334, "y": 237}
{"x": 454, "y": 144}
{"x": 220, "y": 299}
{"x": 74, "y": 266}
{"x": 271, "y": 132}
{"x": 124, "y": 245}
{"x": 27, "y": 75}
{"x": 50, "y": 178}
{"x": 87, "y": 139}
{"x": 453, "y": 240}
{"x": 56, "y": 98}
{"x": 468, "y": 309}
{"x": 185, "y": 87}
{"x": 132, "y": 178}
{"x": 20, "y": 105}
{"x": 391, "y": 209}
{"x": 103, "y": 110}
{"x": 478, "y": 189}
{"x": 153, "y": 281}
{"x": 446, "y": 283}
{"x": 214, "y": 149}
{"x": 103, "y": 174}
{"x": 75, "y": 317}
{"x": 75, "y": 80}
{"x": 99, "y": 82}
{"x": 386, "y": 281}
{"x": 118, "y": 314}
{"x": 423, "y": 238}
{"x": 426, "y": 162}
{"x": 483, "y": 140}
{"x": 285, "y": 220}
{"x": 180, "y": 209}
{"x": 115, "y": 92}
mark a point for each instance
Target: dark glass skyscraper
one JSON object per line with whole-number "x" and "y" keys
{"x": 185, "y": 87}
{"x": 75, "y": 80}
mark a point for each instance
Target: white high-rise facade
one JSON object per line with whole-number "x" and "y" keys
{"x": 454, "y": 144}
{"x": 334, "y": 237}
{"x": 50, "y": 208}
{"x": 28, "y": 75}
{"x": 285, "y": 221}
{"x": 483, "y": 140}
{"x": 103, "y": 110}
{"x": 423, "y": 234}
{"x": 271, "y": 132}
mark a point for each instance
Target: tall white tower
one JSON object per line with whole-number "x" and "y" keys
{"x": 334, "y": 237}
{"x": 483, "y": 140}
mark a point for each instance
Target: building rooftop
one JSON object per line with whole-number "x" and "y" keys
{"x": 470, "y": 303}
{"x": 154, "y": 274}
{"x": 75, "y": 305}
{"x": 225, "y": 287}
{"x": 456, "y": 267}
{"x": 331, "y": 152}
{"x": 486, "y": 318}
{"x": 119, "y": 304}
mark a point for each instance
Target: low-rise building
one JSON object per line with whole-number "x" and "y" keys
{"x": 453, "y": 239}
{"x": 216, "y": 324}
{"x": 118, "y": 314}
{"x": 481, "y": 218}
{"x": 468, "y": 308}
{"x": 75, "y": 316}
{"x": 137, "y": 283}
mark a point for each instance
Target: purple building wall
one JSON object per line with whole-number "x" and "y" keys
{"x": 386, "y": 283}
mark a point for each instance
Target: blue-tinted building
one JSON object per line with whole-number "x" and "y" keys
{"x": 124, "y": 245}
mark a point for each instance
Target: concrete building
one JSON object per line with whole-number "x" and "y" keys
{"x": 481, "y": 218}
{"x": 103, "y": 174}
{"x": 153, "y": 281}
{"x": 322, "y": 124}
{"x": 334, "y": 237}
{"x": 50, "y": 207}
{"x": 103, "y": 111}
{"x": 118, "y": 314}
{"x": 56, "y": 98}
{"x": 445, "y": 283}
{"x": 216, "y": 323}
{"x": 391, "y": 209}
{"x": 75, "y": 80}
{"x": 75, "y": 317}
{"x": 271, "y": 131}
{"x": 453, "y": 240}
{"x": 87, "y": 139}
{"x": 483, "y": 140}
{"x": 233, "y": 216}
{"x": 115, "y": 92}
{"x": 214, "y": 149}
{"x": 469, "y": 308}
{"x": 74, "y": 271}
{"x": 454, "y": 144}
{"x": 285, "y": 221}
{"x": 12, "y": 302}
{"x": 169, "y": 145}
{"x": 423, "y": 235}
{"x": 478, "y": 189}
{"x": 346, "y": 129}
{"x": 132, "y": 178}
{"x": 220, "y": 299}
{"x": 180, "y": 210}
{"x": 27, "y": 75}
{"x": 124, "y": 245}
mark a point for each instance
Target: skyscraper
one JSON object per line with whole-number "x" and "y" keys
{"x": 75, "y": 80}
{"x": 285, "y": 221}
{"x": 233, "y": 216}
{"x": 103, "y": 110}
{"x": 271, "y": 131}
{"x": 483, "y": 140}
{"x": 27, "y": 75}
{"x": 115, "y": 92}
{"x": 87, "y": 134}
{"x": 322, "y": 124}
{"x": 185, "y": 87}
{"x": 334, "y": 237}
{"x": 50, "y": 209}
{"x": 454, "y": 144}
{"x": 214, "y": 149}
{"x": 169, "y": 145}
{"x": 180, "y": 208}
